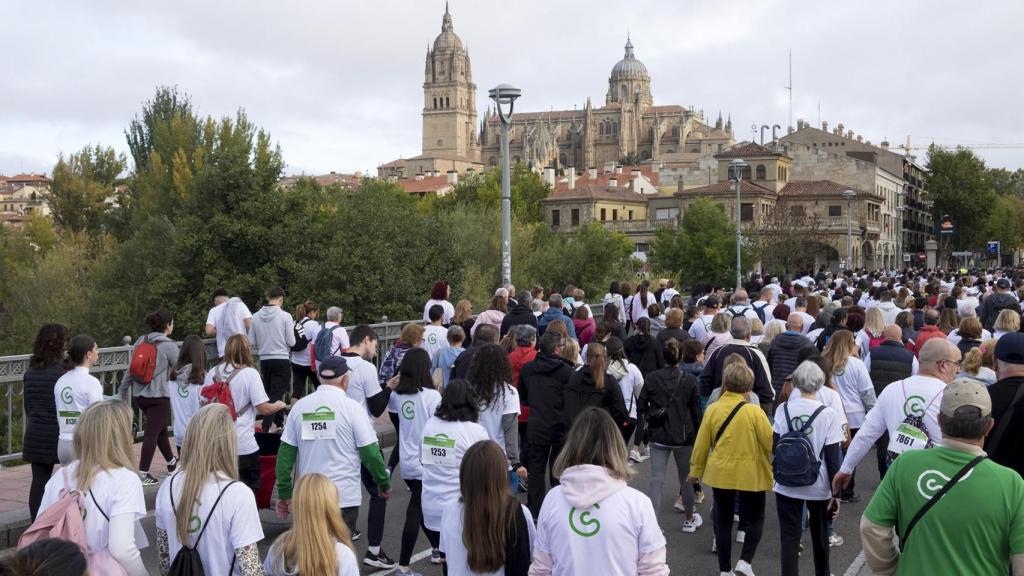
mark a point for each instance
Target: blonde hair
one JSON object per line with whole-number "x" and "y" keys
{"x": 772, "y": 329}
{"x": 874, "y": 322}
{"x": 597, "y": 361}
{"x": 463, "y": 312}
{"x": 673, "y": 318}
{"x": 972, "y": 361}
{"x": 316, "y": 527}
{"x": 103, "y": 441}
{"x": 838, "y": 350}
{"x": 237, "y": 352}
{"x": 988, "y": 349}
{"x": 210, "y": 449}
{"x": 571, "y": 351}
{"x": 412, "y": 334}
{"x": 1007, "y": 321}
{"x": 756, "y": 327}
{"x": 594, "y": 439}
{"x": 737, "y": 376}
{"x": 721, "y": 322}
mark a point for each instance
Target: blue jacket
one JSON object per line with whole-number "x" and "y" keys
{"x": 555, "y": 314}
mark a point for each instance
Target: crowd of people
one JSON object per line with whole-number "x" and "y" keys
{"x": 519, "y": 428}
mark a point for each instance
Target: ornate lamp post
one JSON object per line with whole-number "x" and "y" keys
{"x": 736, "y": 167}
{"x": 505, "y": 94}
{"x": 849, "y": 196}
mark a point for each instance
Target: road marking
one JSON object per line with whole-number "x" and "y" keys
{"x": 415, "y": 558}
{"x": 856, "y": 566}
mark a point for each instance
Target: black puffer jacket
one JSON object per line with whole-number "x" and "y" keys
{"x": 783, "y": 355}
{"x": 542, "y": 388}
{"x": 644, "y": 352}
{"x": 582, "y": 393}
{"x": 519, "y": 314}
{"x": 670, "y": 388}
{"x": 40, "y": 444}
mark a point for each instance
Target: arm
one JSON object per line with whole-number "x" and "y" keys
{"x": 211, "y": 330}
{"x": 879, "y": 547}
{"x": 268, "y": 408}
{"x": 378, "y": 403}
{"x": 694, "y": 406}
{"x": 870, "y": 431}
{"x": 247, "y": 559}
{"x": 371, "y": 457}
{"x": 833, "y": 459}
{"x": 616, "y": 402}
{"x": 707, "y": 377}
{"x": 653, "y": 563}
{"x": 510, "y": 426}
{"x": 165, "y": 557}
{"x": 643, "y": 401}
{"x": 867, "y": 397}
{"x": 286, "y": 456}
{"x": 699, "y": 456}
{"x": 122, "y": 546}
{"x": 542, "y": 564}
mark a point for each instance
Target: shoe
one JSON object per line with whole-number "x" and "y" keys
{"x": 698, "y": 497}
{"x": 743, "y": 568}
{"x": 435, "y": 557}
{"x": 147, "y": 479}
{"x": 524, "y": 486}
{"x": 409, "y": 572}
{"x": 726, "y": 574}
{"x": 172, "y": 464}
{"x": 356, "y": 535}
{"x": 679, "y": 504}
{"x": 690, "y": 526}
{"x": 380, "y": 560}
{"x": 740, "y": 536}
{"x": 714, "y": 547}
{"x": 850, "y": 498}
{"x": 634, "y": 456}
{"x": 835, "y": 540}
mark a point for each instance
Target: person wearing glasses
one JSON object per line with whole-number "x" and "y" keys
{"x": 907, "y": 409}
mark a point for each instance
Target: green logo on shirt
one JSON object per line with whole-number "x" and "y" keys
{"x": 183, "y": 392}
{"x": 408, "y": 409}
{"x": 799, "y": 421}
{"x": 914, "y": 405}
{"x": 591, "y": 526}
{"x": 65, "y": 395}
{"x": 931, "y": 481}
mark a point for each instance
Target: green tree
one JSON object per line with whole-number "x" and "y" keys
{"x": 702, "y": 249}
{"x": 1005, "y": 182}
{"x": 82, "y": 182}
{"x": 527, "y": 190}
{"x": 1004, "y": 223}
{"x": 631, "y": 159}
{"x": 958, "y": 184}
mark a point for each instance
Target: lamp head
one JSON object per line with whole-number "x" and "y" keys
{"x": 504, "y": 93}
{"x": 736, "y": 168}
{"x": 849, "y": 195}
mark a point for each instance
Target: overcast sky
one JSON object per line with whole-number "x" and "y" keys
{"x": 339, "y": 83}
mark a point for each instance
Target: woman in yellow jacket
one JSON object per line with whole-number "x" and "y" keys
{"x": 733, "y": 456}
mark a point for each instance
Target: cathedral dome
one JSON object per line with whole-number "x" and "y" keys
{"x": 629, "y": 66}
{"x": 447, "y": 40}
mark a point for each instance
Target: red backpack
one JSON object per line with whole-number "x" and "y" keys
{"x": 874, "y": 341}
{"x": 219, "y": 392}
{"x": 143, "y": 364}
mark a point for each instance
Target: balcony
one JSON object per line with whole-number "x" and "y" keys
{"x": 636, "y": 226}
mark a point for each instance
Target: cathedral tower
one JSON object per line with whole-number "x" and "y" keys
{"x": 449, "y": 97}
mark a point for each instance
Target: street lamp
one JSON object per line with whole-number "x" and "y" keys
{"x": 849, "y": 195}
{"x": 737, "y": 166}
{"x": 899, "y": 237}
{"x": 505, "y": 94}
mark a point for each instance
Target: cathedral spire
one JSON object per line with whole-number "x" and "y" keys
{"x": 446, "y": 20}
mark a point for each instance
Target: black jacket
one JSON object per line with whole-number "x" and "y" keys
{"x": 467, "y": 326}
{"x": 711, "y": 377}
{"x": 519, "y": 314}
{"x": 41, "y": 431}
{"x": 542, "y": 388}
{"x": 783, "y": 355}
{"x": 581, "y": 393}
{"x": 826, "y": 334}
{"x": 682, "y": 419}
{"x": 993, "y": 305}
{"x": 890, "y": 361}
{"x": 1008, "y": 453}
{"x": 644, "y": 352}
{"x": 965, "y": 345}
{"x": 460, "y": 368}
{"x": 666, "y": 333}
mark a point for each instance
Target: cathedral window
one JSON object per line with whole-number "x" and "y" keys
{"x": 600, "y": 129}
{"x": 447, "y": 102}
{"x": 435, "y": 103}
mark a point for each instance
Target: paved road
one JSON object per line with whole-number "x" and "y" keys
{"x": 687, "y": 553}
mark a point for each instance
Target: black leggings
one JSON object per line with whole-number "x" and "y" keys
{"x": 413, "y": 523}
{"x": 300, "y": 376}
{"x": 393, "y": 459}
{"x": 791, "y": 513}
{"x": 158, "y": 413}
{"x": 41, "y": 474}
{"x": 751, "y": 513}
{"x": 249, "y": 471}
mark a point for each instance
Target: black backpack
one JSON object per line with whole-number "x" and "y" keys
{"x": 795, "y": 463}
{"x": 760, "y": 311}
{"x": 187, "y": 561}
{"x": 734, "y": 313}
{"x": 301, "y": 340}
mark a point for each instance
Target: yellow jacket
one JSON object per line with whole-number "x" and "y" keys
{"x": 742, "y": 458}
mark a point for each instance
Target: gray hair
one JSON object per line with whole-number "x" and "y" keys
{"x": 456, "y": 333}
{"x": 334, "y": 314}
{"x": 740, "y": 328}
{"x": 501, "y": 292}
{"x": 555, "y": 300}
{"x": 524, "y": 334}
{"x": 808, "y": 377}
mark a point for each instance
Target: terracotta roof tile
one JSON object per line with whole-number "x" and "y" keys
{"x": 647, "y": 171}
{"x": 586, "y": 190}
{"x": 28, "y": 178}
{"x": 747, "y": 150}
{"x": 437, "y": 185}
{"x": 820, "y": 188}
{"x": 746, "y": 187}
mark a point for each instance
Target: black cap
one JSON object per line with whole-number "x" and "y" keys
{"x": 1010, "y": 348}
{"x": 333, "y": 367}
{"x": 1003, "y": 284}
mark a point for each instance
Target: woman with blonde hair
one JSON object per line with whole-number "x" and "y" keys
{"x": 852, "y": 380}
{"x": 772, "y": 329}
{"x": 464, "y": 319}
{"x": 718, "y": 334}
{"x": 105, "y": 475}
{"x": 1007, "y": 321}
{"x": 571, "y": 351}
{"x": 871, "y": 335}
{"x": 203, "y": 507}
{"x": 319, "y": 542}
{"x": 979, "y": 363}
{"x": 611, "y": 528}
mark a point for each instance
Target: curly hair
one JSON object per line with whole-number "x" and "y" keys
{"x": 458, "y": 403}
{"x": 49, "y": 346}
{"x": 489, "y": 373}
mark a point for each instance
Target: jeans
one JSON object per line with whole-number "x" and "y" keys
{"x": 378, "y": 509}
{"x": 790, "y": 513}
{"x": 540, "y": 467}
{"x": 659, "y": 465}
{"x": 301, "y": 375}
{"x": 413, "y": 523}
{"x": 249, "y": 471}
{"x": 41, "y": 474}
{"x": 751, "y": 509}
{"x": 277, "y": 378}
{"x": 158, "y": 413}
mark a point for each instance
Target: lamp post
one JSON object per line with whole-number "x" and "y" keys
{"x": 737, "y": 166}
{"x": 849, "y": 195}
{"x": 505, "y": 94}
{"x": 899, "y": 237}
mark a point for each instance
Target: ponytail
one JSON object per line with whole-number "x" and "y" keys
{"x": 972, "y": 361}
{"x": 303, "y": 310}
{"x": 597, "y": 361}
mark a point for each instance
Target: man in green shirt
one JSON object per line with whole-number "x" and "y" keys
{"x": 976, "y": 528}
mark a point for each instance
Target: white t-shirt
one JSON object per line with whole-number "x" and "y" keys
{"x": 701, "y": 326}
{"x": 454, "y": 547}
{"x": 339, "y": 337}
{"x": 329, "y": 428}
{"x": 184, "y": 405}
{"x": 441, "y": 468}
{"x": 955, "y": 338}
{"x": 808, "y": 321}
{"x": 348, "y": 565}
{"x": 413, "y": 412}
{"x": 831, "y": 398}
{"x": 490, "y": 416}
{"x": 449, "y": 311}
{"x": 362, "y": 380}
{"x": 214, "y": 317}
{"x": 742, "y": 310}
{"x": 311, "y": 329}
{"x": 117, "y": 491}
{"x": 434, "y": 338}
{"x": 234, "y": 523}
{"x": 247, "y": 393}
{"x": 668, "y": 294}
{"x": 608, "y": 539}
{"x": 851, "y": 380}
{"x": 74, "y": 392}
{"x": 826, "y": 429}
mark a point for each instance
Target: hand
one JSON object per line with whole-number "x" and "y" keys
{"x": 833, "y": 508}
{"x": 385, "y": 494}
{"x": 283, "y": 508}
{"x": 692, "y": 480}
{"x": 840, "y": 482}
{"x": 522, "y": 473}
{"x": 393, "y": 383}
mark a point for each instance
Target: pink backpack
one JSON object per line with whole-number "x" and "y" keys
{"x": 64, "y": 520}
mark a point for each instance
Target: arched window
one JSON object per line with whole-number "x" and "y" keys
{"x": 447, "y": 102}
{"x": 761, "y": 172}
{"x": 622, "y": 92}
{"x": 600, "y": 129}
{"x": 435, "y": 103}
{"x": 746, "y": 173}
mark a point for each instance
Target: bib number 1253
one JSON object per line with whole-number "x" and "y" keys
{"x": 438, "y": 450}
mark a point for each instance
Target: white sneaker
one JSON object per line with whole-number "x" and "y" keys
{"x": 835, "y": 540}
{"x": 679, "y": 504}
{"x": 726, "y": 574}
{"x": 743, "y": 568}
{"x": 740, "y": 536}
{"x": 635, "y": 456}
{"x": 690, "y": 526}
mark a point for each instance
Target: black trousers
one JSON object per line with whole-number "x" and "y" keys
{"x": 41, "y": 474}
{"x": 541, "y": 465}
{"x": 378, "y": 509}
{"x": 751, "y": 513}
{"x": 881, "y": 447}
{"x": 413, "y": 523}
{"x": 848, "y": 491}
{"x": 393, "y": 459}
{"x": 249, "y": 470}
{"x": 277, "y": 378}
{"x": 300, "y": 376}
{"x": 791, "y": 512}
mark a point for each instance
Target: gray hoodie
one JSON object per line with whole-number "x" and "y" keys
{"x": 272, "y": 333}
{"x": 166, "y": 358}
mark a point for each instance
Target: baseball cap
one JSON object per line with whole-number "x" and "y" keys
{"x": 1003, "y": 284}
{"x": 1010, "y": 348}
{"x": 333, "y": 367}
{"x": 965, "y": 392}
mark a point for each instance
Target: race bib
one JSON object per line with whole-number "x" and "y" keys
{"x": 319, "y": 425}
{"x": 438, "y": 450}
{"x": 908, "y": 437}
{"x": 69, "y": 418}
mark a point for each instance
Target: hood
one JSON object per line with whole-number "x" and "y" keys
{"x": 693, "y": 368}
{"x": 546, "y": 363}
{"x": 890, "y": 305}
{"x": 791, "y": 340}
{"x": 580, "y": 324}
{"x": 553, "y": 314}
{"x": 520, "y": 310}
{"x": 641, "y": 341}
{"x": 586, "y": 485}
{"x": 268, "y": 313}
{"x": 491, "y": 316}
